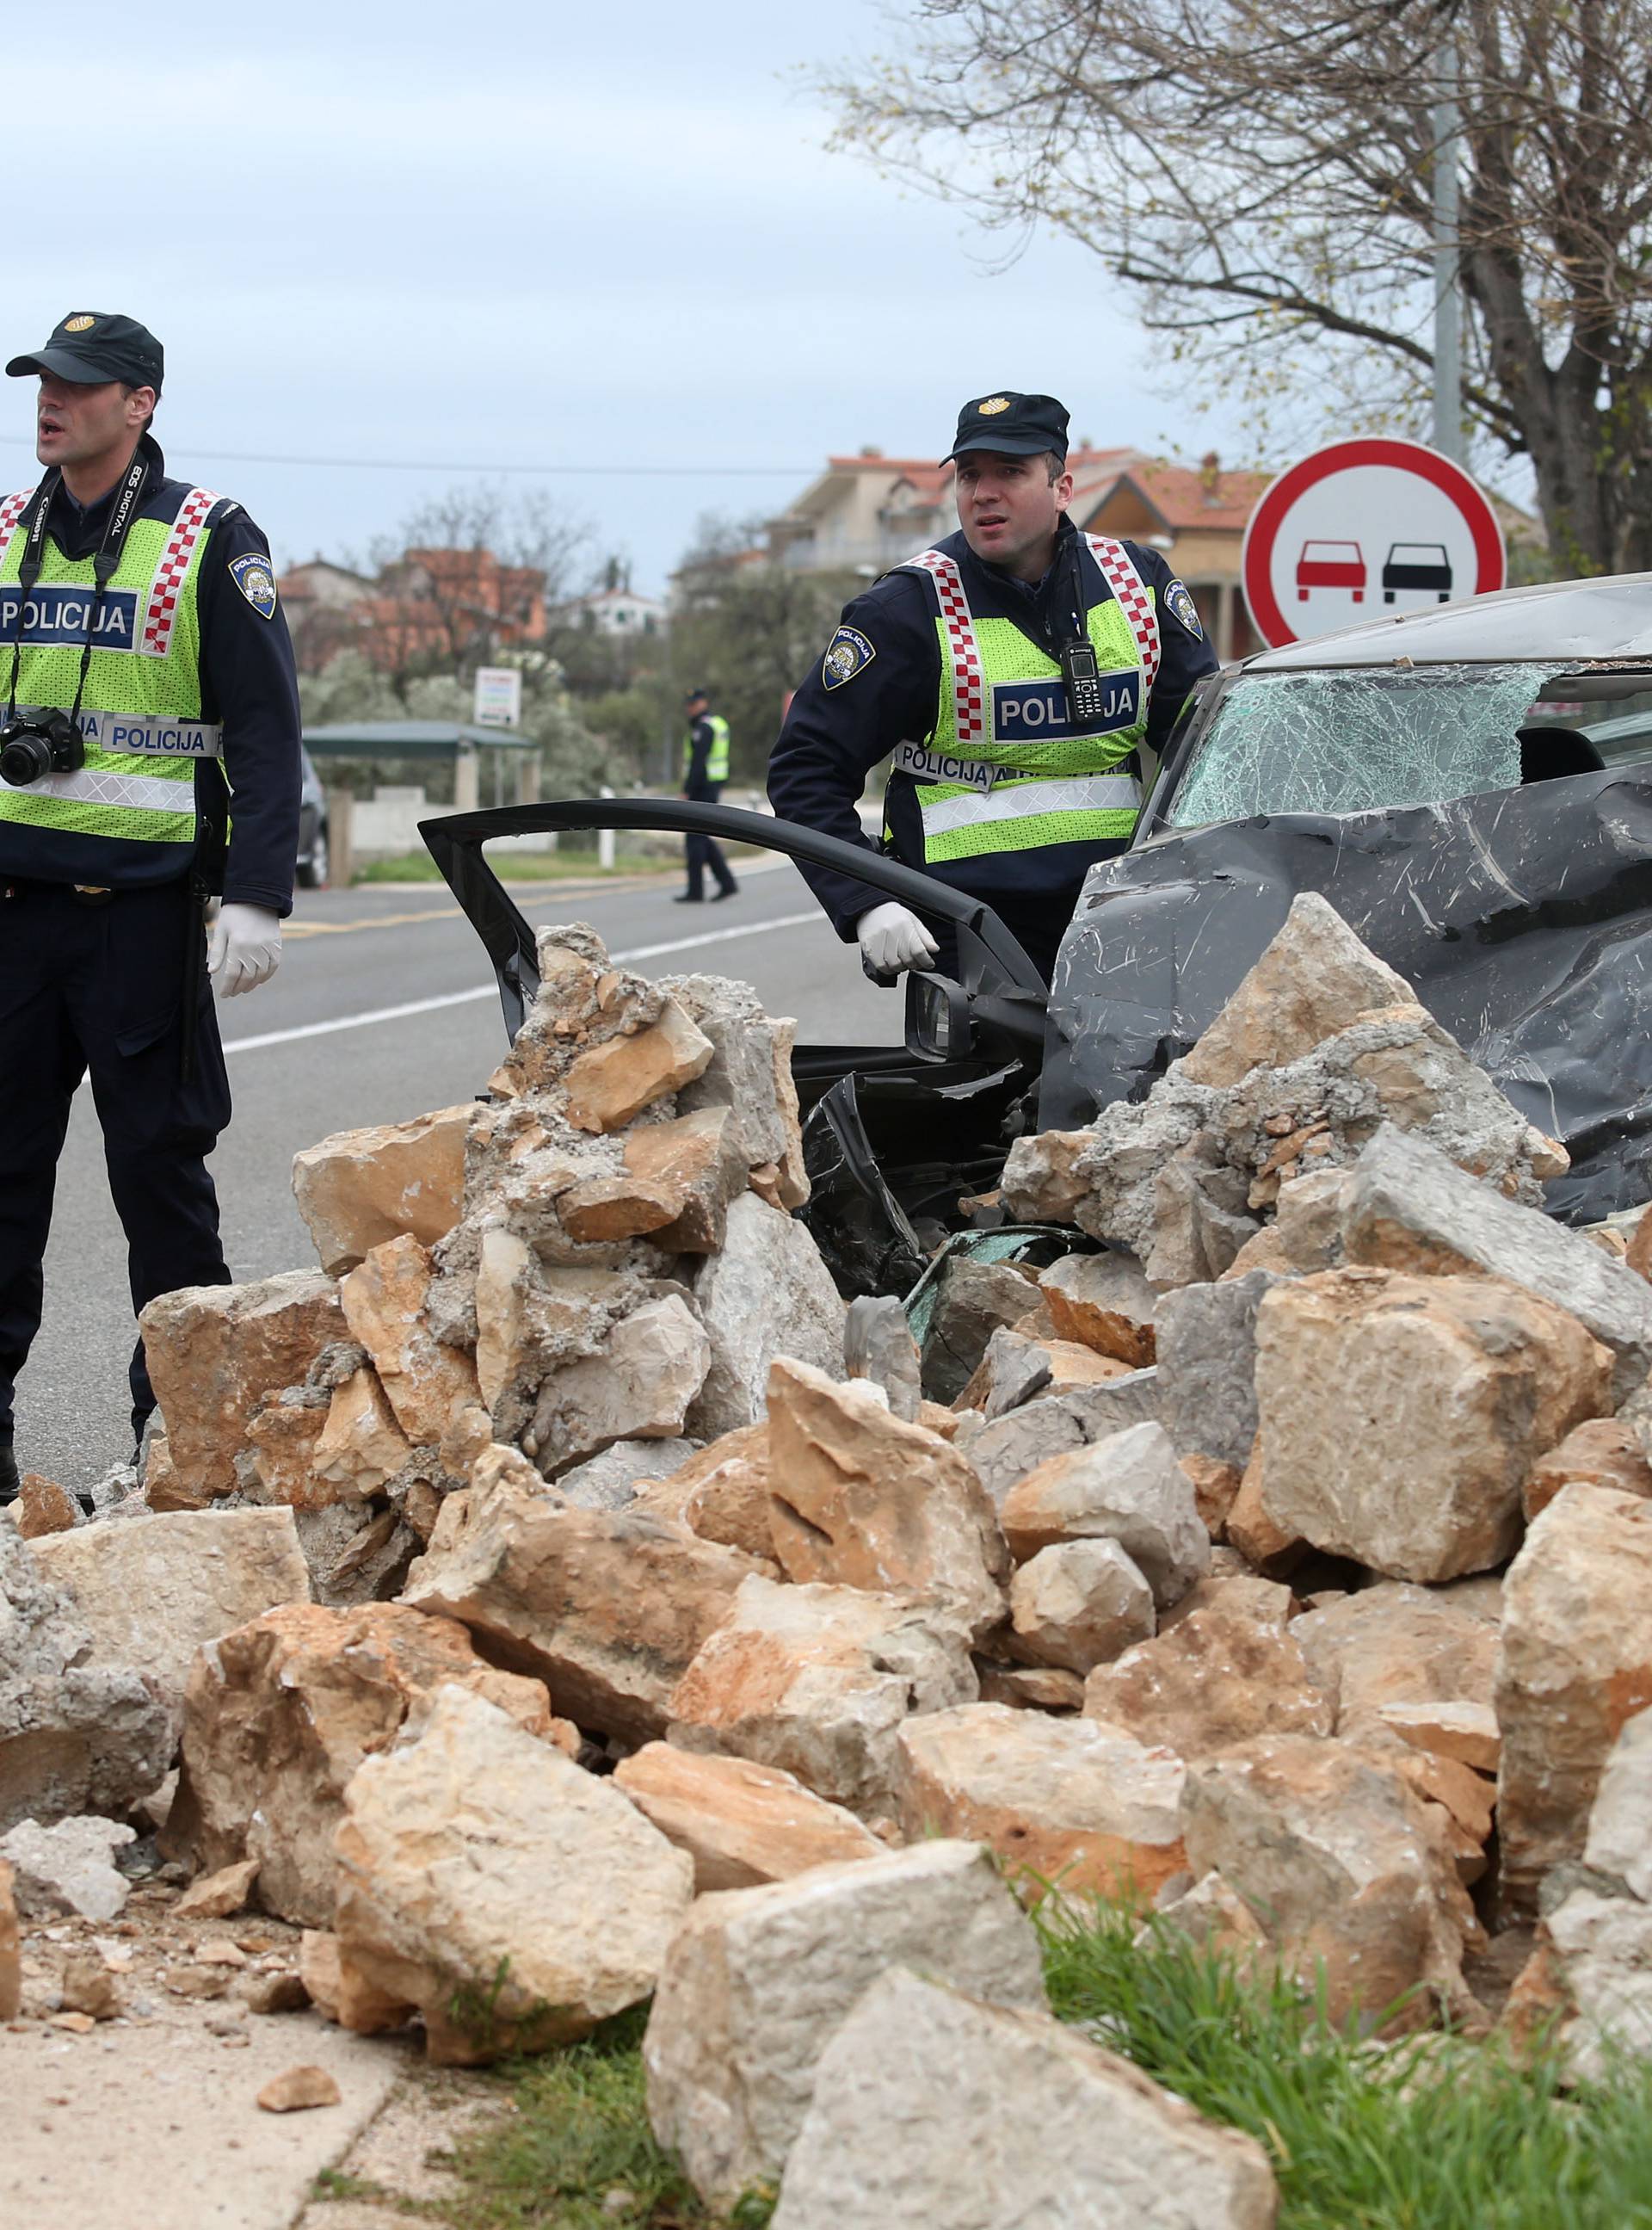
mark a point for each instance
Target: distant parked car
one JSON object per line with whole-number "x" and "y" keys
{"x": 312, "y": 827}
{"x": 1330, "y": 565}
{"x": 1417, "y": 565}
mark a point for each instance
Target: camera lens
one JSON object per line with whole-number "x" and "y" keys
{"x": 24, "y": 758}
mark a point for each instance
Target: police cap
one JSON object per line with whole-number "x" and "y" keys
{"x": 93, "y": 346}
{"x": 690, "y": 695}
{"x": 1014, "y": 425}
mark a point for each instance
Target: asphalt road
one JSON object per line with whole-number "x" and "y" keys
{"x": 315, "y": 1051}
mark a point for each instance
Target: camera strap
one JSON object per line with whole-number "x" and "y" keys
{"x": 105, "y": 564}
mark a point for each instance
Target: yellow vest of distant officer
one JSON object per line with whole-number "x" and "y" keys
{"x": 716, "y": 759}
{"x": 141, "y": 710}
{"x": 1006, "y": 767}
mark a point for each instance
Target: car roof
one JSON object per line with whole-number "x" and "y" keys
{"x": 1556, "y": 622}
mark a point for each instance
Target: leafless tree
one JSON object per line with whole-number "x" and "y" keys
{"x": 1263, "y": 176}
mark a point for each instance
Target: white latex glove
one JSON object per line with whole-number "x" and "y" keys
{"x": 246, "y": 949}
{"x": 892, "y": 937}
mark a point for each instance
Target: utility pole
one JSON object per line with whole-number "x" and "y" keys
{"x": 1448, "y": 300}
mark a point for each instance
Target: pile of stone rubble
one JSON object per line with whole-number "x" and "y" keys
{"x": 534, "y": 1606}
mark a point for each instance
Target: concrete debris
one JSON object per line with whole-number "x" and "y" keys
{"x": 820, "y": 1681}
{"x": 279, "y": 1714}
{"x": 477, "y": 1870}
{"x": 359, "y": 1188}
{"x": 1066, "y": 1803}
{"x": 1349, "y": 1872}
{"x": 1128, "y": 1488}
{"x": 69, "y": 1867}
{"x": 858, "y": 1499}
{"x": 608, "y": 1608}
{"x": 1078, "y": 2135}
{"x": 1105, "y": 1301}
{"x": 1469, "y": 1382}
{"x": 741, "y": 1824}
{"x": 1574, "y": 1665}
{"x": 758, "y": 1981}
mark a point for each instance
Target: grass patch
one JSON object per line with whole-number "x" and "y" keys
{"x": 1434, "y": 2133}
{"x": 559, "y": 865}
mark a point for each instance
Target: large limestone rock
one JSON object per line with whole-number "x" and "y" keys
{"x": 1207, "y": 1366}
{"x": 1397, "y": 1644}
{"x": 1346, "y": 1868}
{"x": 1221, "y": 1675}
{"x": 1620, "y": 1823}
{"x": 608, "y": 1606}
{"x": 357, "y": 1189}
{"x": 360, "y": 1447}
{"x": 1314, "y": 979}
{"x": 1409, "y": 1207}
{"x": 860, "y": 1499}
{"x": 1402, "y": 1415}
{"x": 741, "y": 1824}
{"x": 974, "y": 1300}
{"x": 767, "y": 1293}
{"x": 1078, "y": 1604}
{"x": 721, "y": 1492}
{"x": 1601, "y": 1452}
{"x": 758, "y": 1980}
{"x": 1105, "y": 1302}
{"x": 74, "y": 1739}
{"x": 278, "y": 1716}
{"x": 477, "y": 1877}
{"x": 1064, "y": 1803}
{"x": 609, "y": 1084}
{"x": 1128, "y": 1488}
{"x": 149, "y": 1594}
{"x": 820, "y": 1681}
{"x": 217, "y": 1353}
{"x": 1575, "y": 1665}
{"x": 11, "y": 1962}
{"x": 641, "y": 1384}
{"x": 1071, "y": 2134}
{"x": 383, "y": 1301}
{"x": 1598, "y": 1951}
{"x": 1006, "y": 1448}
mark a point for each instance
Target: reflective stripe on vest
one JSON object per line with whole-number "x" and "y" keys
{"x": 982, "y": 794}
{"x": 142, "y": 717}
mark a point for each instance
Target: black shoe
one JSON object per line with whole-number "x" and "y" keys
{"x": 9, "y": 1481}
{"x": 687, "y": 898}
{"x": 718, "y": 896}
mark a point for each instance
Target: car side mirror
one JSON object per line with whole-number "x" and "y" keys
{"x": 938, "y": 1024}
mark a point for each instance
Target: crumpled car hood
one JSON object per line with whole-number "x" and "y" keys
{"x": 1523, "y": 919}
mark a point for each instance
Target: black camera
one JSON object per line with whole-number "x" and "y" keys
{"x": 33, "y": 747}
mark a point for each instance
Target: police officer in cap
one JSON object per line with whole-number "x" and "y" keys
{"x": 1013, "y": 672}
{"x": 149, "y": 692}
{"x": 705, "y": 769}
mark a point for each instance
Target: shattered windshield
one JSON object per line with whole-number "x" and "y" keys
{"x": 1358, "y": 740}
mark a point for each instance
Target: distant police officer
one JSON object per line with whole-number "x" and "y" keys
{"x": 1013, "y": 671}
{"x": 705, "y": 769}
{"x": 149, "y": 688}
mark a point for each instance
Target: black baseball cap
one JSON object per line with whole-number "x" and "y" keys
{"x": 1014, "y": 425}
{"x": 91, "y": 346}
{"x": 688, "y": 695}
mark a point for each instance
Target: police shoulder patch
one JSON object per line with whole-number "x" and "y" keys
{"x": 1185, "y": 609}
{"x": 847, "y": 653}
{"x": 254, "y": 578}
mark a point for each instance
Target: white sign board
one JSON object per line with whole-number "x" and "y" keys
{"x": 1365, "y": 530}
{"x": 498, "y": 696}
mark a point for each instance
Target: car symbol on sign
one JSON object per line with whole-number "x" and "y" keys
{"x": 1417, "y": 565}
{"x": 1330, "y": 565}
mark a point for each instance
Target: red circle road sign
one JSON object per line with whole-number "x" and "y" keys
{"x": 1365, "y": 528}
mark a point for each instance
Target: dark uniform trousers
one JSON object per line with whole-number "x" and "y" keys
{"x": 97, "y": 988}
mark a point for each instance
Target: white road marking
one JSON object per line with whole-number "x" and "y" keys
{"x": 491, "y": 991}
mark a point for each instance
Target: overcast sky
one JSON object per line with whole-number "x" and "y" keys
{"x": 522, "y": 234}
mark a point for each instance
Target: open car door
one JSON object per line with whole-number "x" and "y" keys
{"x": 895, "y": 1138}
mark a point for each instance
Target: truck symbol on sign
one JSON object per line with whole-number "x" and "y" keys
{"x": 1330, "y": 565}
{"x": 1417, "y": 565}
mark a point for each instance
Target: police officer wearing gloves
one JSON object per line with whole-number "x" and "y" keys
{"x": 151, "y": 693}
{"x": 1013, "y": 671}
{"x": 705, "y": 769}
